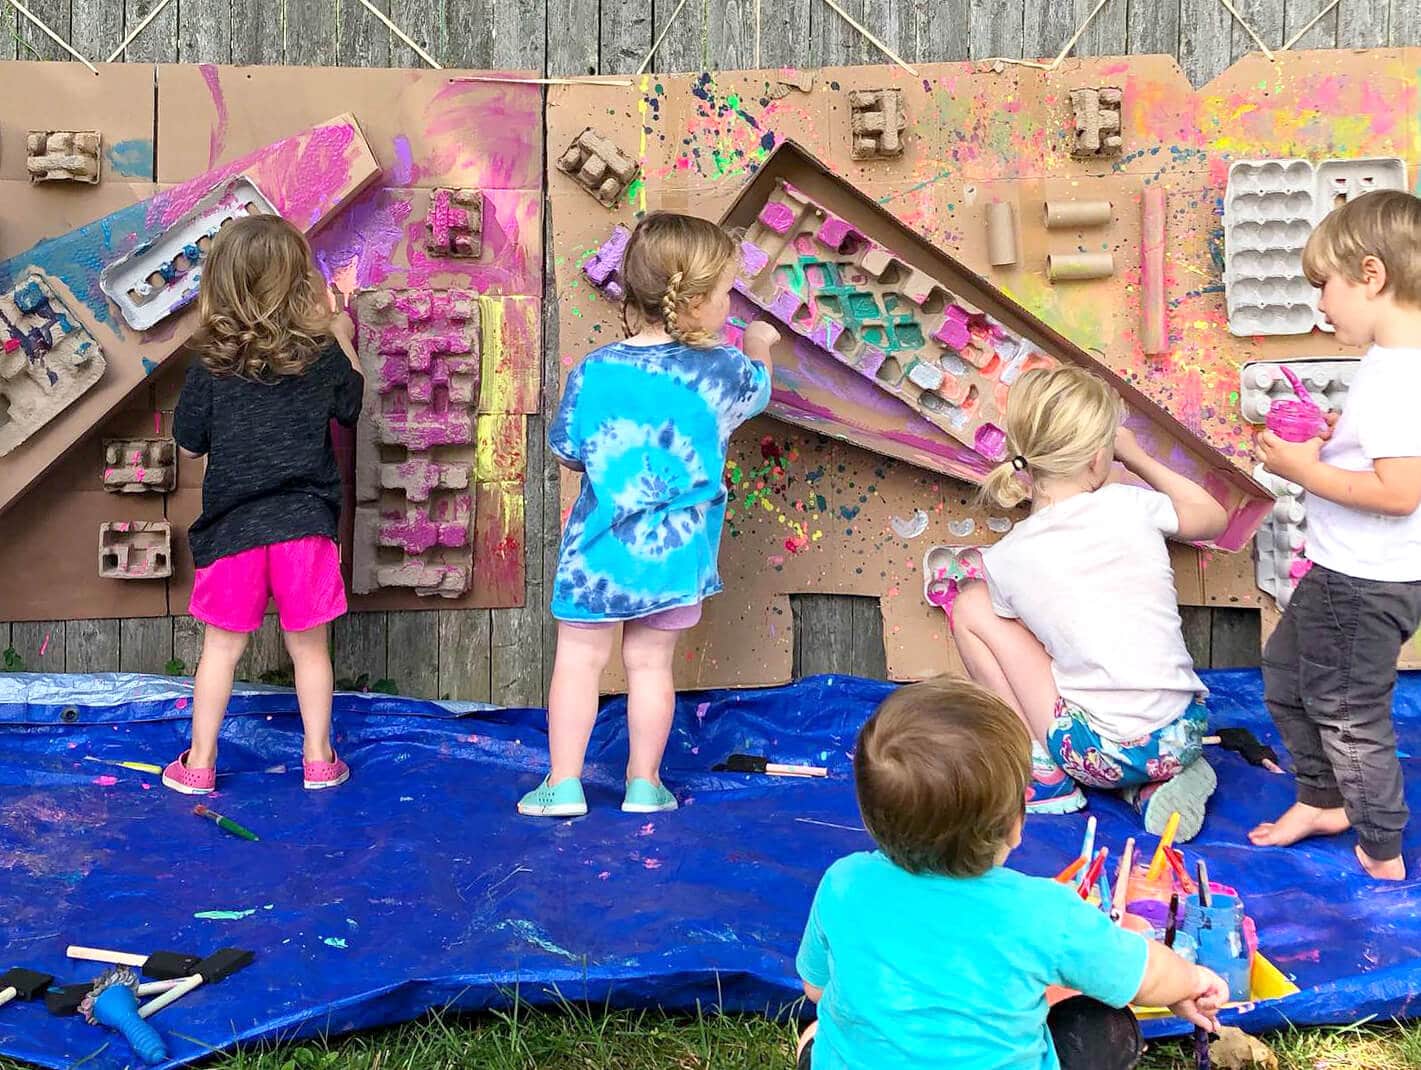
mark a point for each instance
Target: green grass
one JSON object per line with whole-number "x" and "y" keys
{"x": 576, "y": 1039}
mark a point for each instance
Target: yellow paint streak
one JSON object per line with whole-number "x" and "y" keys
{"x": 495, "y": 394}
{"x": 492, "y": 464}
{"x": 641, "y": 107}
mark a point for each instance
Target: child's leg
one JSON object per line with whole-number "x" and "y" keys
{"x": 572, "y": 696}
{"x": 804, "y": 1052}
{"x": 315, "y": 681}
{"x": 647, "y": 653}
{"x": 1307, "y": 625}
{"x": 1088, "y": 1035}
{"x": 1001, "y": 654}
{"x": 1353, "y": 712}
{"x": 211, "y": 691}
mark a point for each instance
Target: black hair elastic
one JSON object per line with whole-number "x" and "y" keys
{"x": 1019, "y": 463}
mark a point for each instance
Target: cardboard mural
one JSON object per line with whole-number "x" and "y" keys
{"x": 423, "y": 181}
{"x": 810, "y": 513}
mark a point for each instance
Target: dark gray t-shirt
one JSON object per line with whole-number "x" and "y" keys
{"x": 271, "y": 471}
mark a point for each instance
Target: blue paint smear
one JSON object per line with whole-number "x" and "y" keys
{"x": 131, "y": 159}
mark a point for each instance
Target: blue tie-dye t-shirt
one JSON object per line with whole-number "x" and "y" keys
{"x": 648, "y": 426}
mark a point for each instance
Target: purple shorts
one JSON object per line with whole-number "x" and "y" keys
{"x": 667, "y": 620}
{"x": 302, "y": 575}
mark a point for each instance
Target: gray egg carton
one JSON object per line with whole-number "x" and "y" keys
{"x": 1260, "y": 384}
{"x": 1270, "y": 208}
{"x": 1279, "y": 546}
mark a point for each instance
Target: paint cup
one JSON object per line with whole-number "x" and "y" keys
{"x": 1295, "y": 421}
{"x": 1143, "y": 889}
{"x": 1218, "y": 931}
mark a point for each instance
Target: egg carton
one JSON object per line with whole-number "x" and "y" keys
{"x": 1281, "y": 540}
{"x": 1261, "y": 384}
{"x": 1270, "y": 209}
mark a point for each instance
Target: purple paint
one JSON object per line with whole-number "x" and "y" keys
{"x": 954, "y": 332}
{"x": 871, "y": 360}
{"x": 785, "y": 306}
{"x": 835, "y": 232}
{"x": 404, "y": 170}
{"x": 604, "y": 268}
{"x": 778, "y": 216}
{"x": 753, "y": 259}
{"x": 991, "y": 441}
{"x": 217, "y": 140}
{"x": 364, "y": 238}
{"x": 826, "y": 333}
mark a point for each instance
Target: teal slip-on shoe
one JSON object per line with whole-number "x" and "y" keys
{"x": 644, "y": 797}
{"x": 564, "y": 800}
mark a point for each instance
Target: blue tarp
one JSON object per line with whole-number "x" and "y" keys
{"x": 417, "y": 886}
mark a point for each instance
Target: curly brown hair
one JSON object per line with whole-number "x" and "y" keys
{"x": 941, "y": 770}
{"x": 265, "y": 311}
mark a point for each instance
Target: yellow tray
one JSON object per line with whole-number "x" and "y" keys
{"x": 1265, "y": 979}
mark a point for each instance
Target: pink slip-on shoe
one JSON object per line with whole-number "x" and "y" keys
{"x": 189, "y": 781}
{"x": 329, "y": 774}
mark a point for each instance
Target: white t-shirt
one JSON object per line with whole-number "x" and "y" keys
{"x": 1090, "y": 576}
{"x": 1379, "y": 420}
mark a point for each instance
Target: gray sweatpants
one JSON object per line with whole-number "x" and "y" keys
{"x": 1328, "y": 676}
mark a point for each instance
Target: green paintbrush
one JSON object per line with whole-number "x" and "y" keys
{"x": 225, "y": 823}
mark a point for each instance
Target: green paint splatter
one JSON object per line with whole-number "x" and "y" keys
{"x": 224, "y": 915}
{"x": 334, "y": 941}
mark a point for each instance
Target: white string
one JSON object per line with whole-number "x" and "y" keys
{"x": 406, "y": 38}
{"x": 872, "y": 39}
{"x": 121, "y": 49}
{"x": 61, "y": 42}
{"x": 660, "y": 37}
{"x": 1061, "y": 55}
{"x": 1311, "y": 23}
{"x": 1247, "y": 28}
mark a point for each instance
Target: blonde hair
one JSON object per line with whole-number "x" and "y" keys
{"x": 1057, "y": 418}
{"x": 941, "y": 771}
{"x": 1385, "y": 224}
{"x": 670, "y": 260}
{"x": 263, "y": 308}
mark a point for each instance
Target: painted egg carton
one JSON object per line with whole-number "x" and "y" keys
{"x": 1270, "y": 209}
{"x": 160, "y": 277}
{"x": 1278, "y": 547}
{"x": 1282, "y": 539}
{"x": 1261, "y": 383}
{"x": 938, "y": 353}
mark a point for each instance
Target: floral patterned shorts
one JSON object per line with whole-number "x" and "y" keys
{"x": 1098, "y": 762}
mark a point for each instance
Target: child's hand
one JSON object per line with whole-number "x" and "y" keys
{"x": 1287, "y": 460}
{"x": 1202, "y": 1008}
{"x": 343, "y": 327}
{"x": 1127, "y": 446}
{"x": 760, "y": 335}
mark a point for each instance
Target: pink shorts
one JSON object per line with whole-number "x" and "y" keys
{"x": 668, "y": 620}
{"x": 302, "y": 575}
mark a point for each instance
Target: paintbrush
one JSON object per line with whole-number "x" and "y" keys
{"x": 140, "y": 767}
{"x": 1093, "y": 873}
{"x": 1076, "y": 865}
{"x": 224, "y": 823}
{"x": 1202, "y": 1060}
{"x": 1172, "y": 923}
{"x": 754, "y": 763}
{"x": 1157, "y": 863}
{"x": 1088, "y": 844}
{"x": 1176, "y": 863}
{"x": 1122, "y": 881}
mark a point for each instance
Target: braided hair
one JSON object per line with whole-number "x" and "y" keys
{"x": 670, "y": 261}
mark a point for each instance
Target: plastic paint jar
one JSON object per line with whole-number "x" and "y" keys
{"x": 1142, "y": 888}
{"x": 1296, "y": 421}
{"x": 1219, "y": 934}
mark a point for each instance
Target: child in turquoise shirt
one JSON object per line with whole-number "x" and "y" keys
{"x": 928, "y": 952}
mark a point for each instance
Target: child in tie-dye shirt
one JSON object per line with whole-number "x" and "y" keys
{"x": 647, "y": 422}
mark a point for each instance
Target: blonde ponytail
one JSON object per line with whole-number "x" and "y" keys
{"x": 1005, "y": 485}
{"x": 1058, "y": 419}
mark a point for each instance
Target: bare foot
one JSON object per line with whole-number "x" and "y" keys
{"x": 1391, "y": 870}
{"x": 1299, "y": 822}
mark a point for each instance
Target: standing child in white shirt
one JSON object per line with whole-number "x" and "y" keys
{"x": 1077, "y": 626}
{"x": 1330, "y": 668}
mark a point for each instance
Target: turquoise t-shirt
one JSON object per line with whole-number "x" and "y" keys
{"x": 649, "y": 427}
{"x": 922, "y": 971}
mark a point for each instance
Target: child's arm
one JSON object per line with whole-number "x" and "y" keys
{"x": 1200, "y": 517}
{"x": 814, "y": 994}
{"x": 1191, "y": 992}
{"x": 192, "y": 420}
{"x": 563, "y": 440}
{"x": 1391, "y": 488}
{"x": 350, "y": 391}
{"x": 759, "y": 337}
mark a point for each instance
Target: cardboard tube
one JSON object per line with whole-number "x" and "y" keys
{"x": 1153, "y": 330}
{"x": 1068, "y": 215}
{"x": 1001, "y": 234}
{"x": 1073, "y": 266}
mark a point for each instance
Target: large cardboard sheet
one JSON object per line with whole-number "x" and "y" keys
{"x": 975, "y": 134}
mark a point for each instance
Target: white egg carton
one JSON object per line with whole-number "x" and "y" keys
{"x": 1270, "y": 208}
{"x": 1260, "y": 384}
{"x": 1279, "y": 546}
